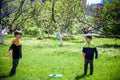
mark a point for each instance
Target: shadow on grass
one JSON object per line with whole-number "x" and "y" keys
{"x": 52, "y": 38}
{"x": 80, "y": 77}
{"x": 4, "y": 76}
{"x": 65, "y": 38}
{"x": 110, "y": 46}
{"x": 3, "y": 44}
{"x": 78, "y": 41}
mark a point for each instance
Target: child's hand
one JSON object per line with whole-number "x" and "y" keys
{"x": 84, "y": 55}
{"x": 9, "y": 53}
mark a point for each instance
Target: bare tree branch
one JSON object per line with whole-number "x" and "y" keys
{"x": 19, "y": 12}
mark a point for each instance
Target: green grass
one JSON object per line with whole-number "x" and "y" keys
{"x": 43, "y": 57}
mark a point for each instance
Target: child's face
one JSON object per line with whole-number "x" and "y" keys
{"x": 18, "y": 36}
{"x": 87, "y": 39}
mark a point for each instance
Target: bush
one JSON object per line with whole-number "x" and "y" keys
{"x": 31, "y": 31}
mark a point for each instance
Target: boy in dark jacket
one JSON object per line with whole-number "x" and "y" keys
{"x": 88, "y": 51}
{"x": 16, "y": 50}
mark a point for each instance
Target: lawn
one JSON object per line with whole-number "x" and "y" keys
{"x": 43, "y": 57}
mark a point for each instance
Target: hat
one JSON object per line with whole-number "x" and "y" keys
{"x": 17, "y": 32}
{"x": 90, "y": 37}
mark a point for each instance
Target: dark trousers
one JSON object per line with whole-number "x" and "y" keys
{"x": 86, "y": 66}
{"x": 15, "y": 63}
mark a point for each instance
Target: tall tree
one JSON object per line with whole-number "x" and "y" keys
{"x": 110, "y": 18}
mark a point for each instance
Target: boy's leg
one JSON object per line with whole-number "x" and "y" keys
{"x": 14, "y": 66}
{"x": 86, "y": 66}
{"x": 91, "y": 67}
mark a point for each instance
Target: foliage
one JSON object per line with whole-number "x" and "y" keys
{"x": 110, "y": 18}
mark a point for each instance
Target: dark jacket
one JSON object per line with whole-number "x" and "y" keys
{"x": 89, "y": 49}
{"x": 17, "y": 49}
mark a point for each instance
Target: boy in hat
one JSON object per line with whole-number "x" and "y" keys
{"x": 88, "y": 51}
{"x": 16, "y": 51}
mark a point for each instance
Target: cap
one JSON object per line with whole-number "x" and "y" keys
{"x": 17, "y": 32}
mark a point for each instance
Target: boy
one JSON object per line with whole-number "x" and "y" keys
{"x": 88, "y": 52}
{"x": 16, "y": 50}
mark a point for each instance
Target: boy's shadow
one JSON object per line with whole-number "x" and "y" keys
{"x": 80, "y": 76}
{"x": 4, "y": 76}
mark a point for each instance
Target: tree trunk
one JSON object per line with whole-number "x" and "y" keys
{"x": 40, "y": 33}
{"x": 53, "y": 11}
{"x": 1, "y": 35}
{"x": 48, "y": 32}
{"x": 67, "y": 33}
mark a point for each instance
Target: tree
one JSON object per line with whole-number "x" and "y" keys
{"x": 110, "y": 18}
{"x": 68, "y": 12}
{"x": 41, "y": 15}
{"x": 64, "y": 14}
{"x": 19, "y": 12}
{"x": 11, "y": 16}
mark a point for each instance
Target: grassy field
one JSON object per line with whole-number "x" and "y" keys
{"x": 43, "y": 57}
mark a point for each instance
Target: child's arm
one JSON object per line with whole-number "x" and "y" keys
{"x": 83, "y": 53}
{"x": 96, "y": 53}
{"x": 9, "y": 53}
{"x": 10, "y": 50}
{"x": 11, "y": 47}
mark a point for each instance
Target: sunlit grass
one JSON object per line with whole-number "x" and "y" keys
{"x": 43, "y": 57}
